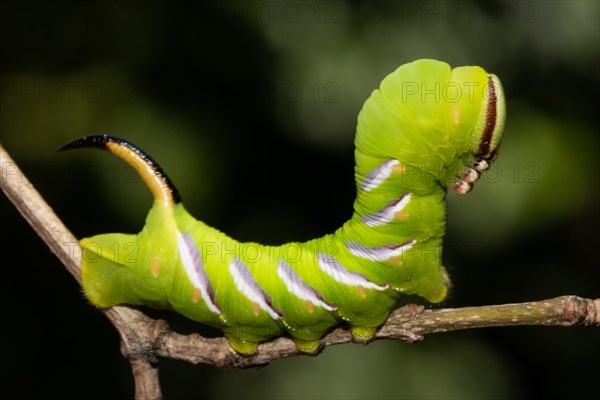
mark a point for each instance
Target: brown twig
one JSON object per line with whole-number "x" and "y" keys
{"x": 61, "y": 242}
{"x": 144, "y": 339}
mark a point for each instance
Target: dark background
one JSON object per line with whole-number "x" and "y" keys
{"x": 245, "y": 104}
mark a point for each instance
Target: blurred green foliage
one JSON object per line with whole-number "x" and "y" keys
{"x": 245, "y": 104}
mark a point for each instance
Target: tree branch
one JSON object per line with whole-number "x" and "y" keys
{"x": 144, "y": 339}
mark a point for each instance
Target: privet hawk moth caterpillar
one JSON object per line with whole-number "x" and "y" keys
{"x": 427, "y": 127}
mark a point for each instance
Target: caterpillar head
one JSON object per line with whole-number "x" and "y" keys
{"x": 486, "y": 134}
{"x": 444, "y": 125}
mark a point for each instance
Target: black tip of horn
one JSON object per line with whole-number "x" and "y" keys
{"x": 98, "y": 141}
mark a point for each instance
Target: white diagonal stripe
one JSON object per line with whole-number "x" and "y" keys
{"x": 388, "y": 213}
{"x": 192, "y": 264}
{"x": 381, "y": 253}
{"x": 333, "y": 268}
{"x": 378, "y": 175}
{"x": 298, "y": 287}
{"x": 245, "y": 283}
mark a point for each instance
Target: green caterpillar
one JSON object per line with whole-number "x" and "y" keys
{"x": 427, "y": 127}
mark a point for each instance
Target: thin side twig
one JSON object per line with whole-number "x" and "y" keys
{"x": 144, "y": 339}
